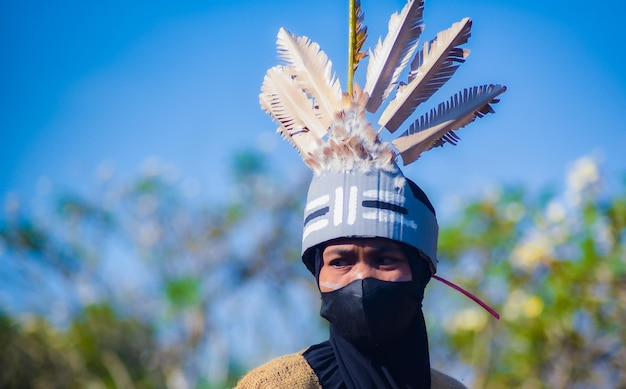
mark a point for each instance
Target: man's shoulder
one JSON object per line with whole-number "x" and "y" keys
{"x": 442, "y": 381}
{"x": 287, "y": 371}
{"x": 293, "y": 371}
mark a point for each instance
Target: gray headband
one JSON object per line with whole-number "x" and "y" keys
{"x": 376, "y": 204}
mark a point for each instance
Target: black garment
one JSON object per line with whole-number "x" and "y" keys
{"x": 340, "y": 365}
{"x": 402, "y": 362}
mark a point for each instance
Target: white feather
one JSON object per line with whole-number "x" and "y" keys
{"x": 290, "y": 106}
{"x": 435, "y": 128}
{"x": 432, "y": 67}
{"x": 391, "y": 56}
{"x": 312, "y": 71}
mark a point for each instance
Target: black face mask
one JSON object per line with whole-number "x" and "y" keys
{"x": 369, "y": 312}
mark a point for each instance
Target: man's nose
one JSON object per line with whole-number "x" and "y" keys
{"x": 363, "y": 270}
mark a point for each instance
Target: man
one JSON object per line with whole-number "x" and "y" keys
{"x": 371, "y": 289}
{"x": 369, "y": 233}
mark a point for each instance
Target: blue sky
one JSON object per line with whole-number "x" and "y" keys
{"x": 87, "y": 82}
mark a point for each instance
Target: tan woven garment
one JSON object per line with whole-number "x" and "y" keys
{"x": 293, "y": 372}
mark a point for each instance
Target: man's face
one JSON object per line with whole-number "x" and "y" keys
{"x": 347, "y": 260}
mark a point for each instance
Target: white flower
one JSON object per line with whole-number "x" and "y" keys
{"x": 492, "y": 194}
{"x": 469, "y": 319}
{"x": 521, "y": 303}
{"x": 533, "y": 251}
{"x": 514, "y": 212}
{"x": 583, "y": 177}
{"x": 583, "y": 173}
{"x": 555, "y": 212}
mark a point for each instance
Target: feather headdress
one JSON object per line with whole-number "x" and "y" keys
{"x": 357, "y": 189}
{"x": 329, "y": 128}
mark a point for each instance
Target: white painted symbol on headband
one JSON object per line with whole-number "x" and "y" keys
{"x": 338, "y": 214}
{"x": 388, "y": 216}
{"x": 352, "y": 205}
{"x": 312, "y": 227}
{"x": 317, "y": 203}
{"x": 385, "y": 195}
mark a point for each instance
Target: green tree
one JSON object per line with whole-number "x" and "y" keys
{"x": 98, "y": 350}
{"x": 555, "y": 266}
{"x": 177, "y": 267}
{"x": 135, "y": 285}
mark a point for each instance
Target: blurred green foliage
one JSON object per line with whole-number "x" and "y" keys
{"x": 174, "y": 267}
{"x": 555, "y": 267}
{"x": 98, "y": 350}
{"x": 139, "y": 286}
{"x": 183, "y": 292}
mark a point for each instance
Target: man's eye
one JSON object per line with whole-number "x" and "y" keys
{"x": 387, "y": 261}
{"x": 339, "y": 262}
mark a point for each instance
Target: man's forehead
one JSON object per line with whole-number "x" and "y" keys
{"x": 346, "y": 244}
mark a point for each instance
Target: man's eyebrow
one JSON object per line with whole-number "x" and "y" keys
{"x": 339, "y": 250}
{"x": 387, "y": 250}
{"x": 382, "y": 249}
